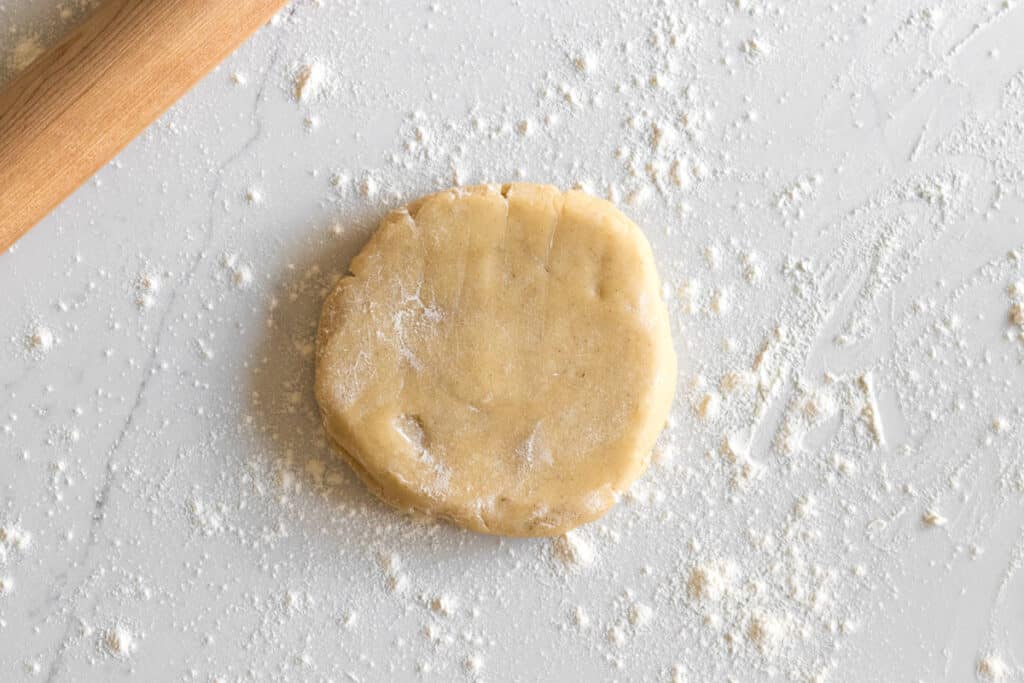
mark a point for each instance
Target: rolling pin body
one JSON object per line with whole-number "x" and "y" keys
{"x": 77, "y": 105}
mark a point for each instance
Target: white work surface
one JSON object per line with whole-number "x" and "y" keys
{"x": 833, "y": 192}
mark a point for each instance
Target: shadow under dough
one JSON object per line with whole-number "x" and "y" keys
{"x": 284, "y": 412}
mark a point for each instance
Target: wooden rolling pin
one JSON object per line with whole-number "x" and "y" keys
{"x": 80, "y": 103}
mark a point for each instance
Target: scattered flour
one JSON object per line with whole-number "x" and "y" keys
{"x": 239, "y": 273}
{"x": 933, "y": 517}
{"x": 395, "y": 580}
{"x": 992, "y": 668}
{"x": 574, "y": 549}
{"x": 474, "y": 664}
{"x": 40, "y": 339}
{"x": 585, "y": 63}
{"x": 766, "y": 632}
{"x": 311, "y": 82}
{"x": 785, "y": 491}
{"x": 640, "y": 615}
{"x": 254, "y": 196}
{"x": 13, "y": 537}
{"x": 147, "y": 286}
{"x": 712, "y": 580}
{"x": 119, "y": 642}
{"x": 709, "y": 406}
{"x": 445, "y": 605}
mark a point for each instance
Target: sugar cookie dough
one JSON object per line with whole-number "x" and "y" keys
{"x": 499, "y": 356}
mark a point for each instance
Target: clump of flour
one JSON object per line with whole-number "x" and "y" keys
{"x": 119, "y": 642}
{"x": 311, "y": 81}
{"x": 573, "y": 550}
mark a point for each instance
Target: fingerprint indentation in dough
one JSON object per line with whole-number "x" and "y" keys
{"x": 410, "y": 428}
{"x": 413, "y": 431}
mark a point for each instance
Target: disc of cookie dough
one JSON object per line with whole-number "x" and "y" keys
{"x": 498, "y": 356}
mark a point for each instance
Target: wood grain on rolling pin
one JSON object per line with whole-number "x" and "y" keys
{"x": 81, "y": 102}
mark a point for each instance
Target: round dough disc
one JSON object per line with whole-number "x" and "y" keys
{"x": 499, "y": 356}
